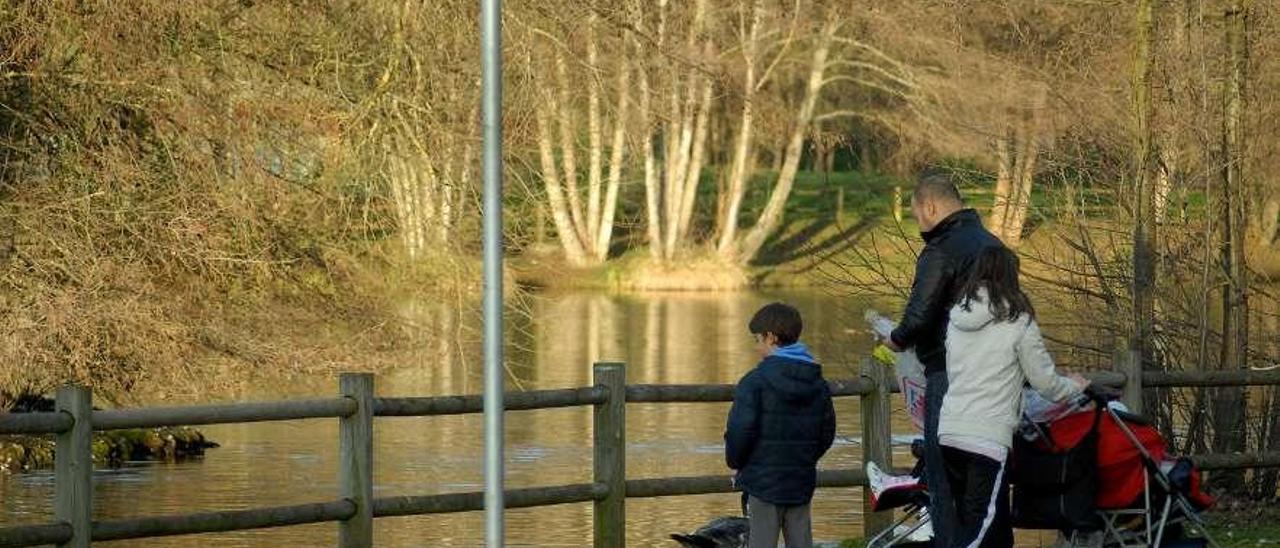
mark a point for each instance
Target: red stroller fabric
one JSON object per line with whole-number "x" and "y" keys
{"x": 1120, "y": 468}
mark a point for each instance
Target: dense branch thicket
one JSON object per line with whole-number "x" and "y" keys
{"x": 189, "y": 190}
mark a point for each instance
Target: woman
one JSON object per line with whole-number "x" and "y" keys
{"x": 994, "y": 347}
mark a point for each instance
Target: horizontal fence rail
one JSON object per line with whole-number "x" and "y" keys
{"x": 35, "y": 423}
{"x": 694, "y": 393}
{"x": 356, "y": 406}
{"x": 35, "y": 535}
{"x": 153, "y": 417}
{"x": 473, "y": 501}
{"x": 512, "y": 401}
{"x": 1244, "y": 460}
{"x": 1189, "y": 379}
{"x": 712, "y": 484}
{"x": 232, "y": 520}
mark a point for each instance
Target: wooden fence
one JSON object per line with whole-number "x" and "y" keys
{"x": 355, "y": 508}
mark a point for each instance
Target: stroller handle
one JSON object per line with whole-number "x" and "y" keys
{"x": 1100, "y": 394}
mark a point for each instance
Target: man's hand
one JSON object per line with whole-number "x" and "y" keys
{"x": 888, "y": 343}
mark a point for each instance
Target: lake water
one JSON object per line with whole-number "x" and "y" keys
{"x": 663, "y": 338}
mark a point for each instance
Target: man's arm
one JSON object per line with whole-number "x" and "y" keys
{"x": 743, "y": 429}
{"x": 926, "y": 301}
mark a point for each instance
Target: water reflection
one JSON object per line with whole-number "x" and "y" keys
{"x": 663, "y": 338}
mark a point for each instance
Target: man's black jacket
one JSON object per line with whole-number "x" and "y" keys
{"x": 949, "y": 253}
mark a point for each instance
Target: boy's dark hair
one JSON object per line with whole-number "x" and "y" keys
{"x": 936, "y": 184}
{"x": 781, "y": 319}
{"x": 996, "y": 269}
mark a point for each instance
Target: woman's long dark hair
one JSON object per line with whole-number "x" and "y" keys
{"x": 996, "y": 269}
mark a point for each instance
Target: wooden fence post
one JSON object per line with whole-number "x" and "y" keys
{"x": 610, "y": 459}
{"x": 73, "y": 465}
{"x": 355, "y": 461}
{"x": 1129, "y": 362}
{"x": 877, "y": 439}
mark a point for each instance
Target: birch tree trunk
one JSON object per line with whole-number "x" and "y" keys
{"x": 605, "y": 230}
{"x": 396, "y": 174}
{"x": 743, "y": 162}
{"x": 565, "y": 229}
{"x": 694, "y": 174}
{"x": 999, "y": 217}
{"x": 450, "y": 208}
{"x": 772, "y": 214}
{"x": 651, "y": 190}
{"x": 568, "y": 149}
{"x": 595, "y": 135}
{"x": 685, "y": 138}
{"x": 1020, "y": 205}
{"x": 677, "y": 166}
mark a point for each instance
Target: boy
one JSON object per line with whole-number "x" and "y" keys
{"x": 781, "y": 423}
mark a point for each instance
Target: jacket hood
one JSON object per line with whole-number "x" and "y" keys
{"x": 977, "y": 314}
{"x": 792, "y": 371}
{"x": 795, "y": 351}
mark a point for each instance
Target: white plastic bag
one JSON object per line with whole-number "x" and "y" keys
{"x": 907, "y": 367}
{"x": 1041, "y": 410}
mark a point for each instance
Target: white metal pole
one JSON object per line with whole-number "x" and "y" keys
{"x": 491, "y": 37}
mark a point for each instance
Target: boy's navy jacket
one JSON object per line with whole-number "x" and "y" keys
{"x": 782, "y": 421}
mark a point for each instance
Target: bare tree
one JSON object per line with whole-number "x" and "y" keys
{"x": 1229, "y": 434}
{"x": 771, "y": 216}
{"x": 1144, "y": 185}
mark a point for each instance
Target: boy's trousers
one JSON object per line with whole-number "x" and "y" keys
{"x": 767, "y": 520}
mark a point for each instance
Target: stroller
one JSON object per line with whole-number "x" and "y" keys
{"x": 908, "y": 492}
{"x": 1102, "y": 477}
{"x": 889, "y": 492}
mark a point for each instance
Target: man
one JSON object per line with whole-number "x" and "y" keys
{"x": 953, "y": 237}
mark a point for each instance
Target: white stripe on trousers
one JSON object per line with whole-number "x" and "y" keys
{"x": 991, "y": 505}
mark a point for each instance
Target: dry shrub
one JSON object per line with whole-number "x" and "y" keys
{"x": 186, "y": 198}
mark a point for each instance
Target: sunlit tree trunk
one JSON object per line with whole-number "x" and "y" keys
{"x": 772, "y": 214}
{"x": 694, "y": 173}
{"x": 605, "y": 229}
{"x": 560, "y": 215}
{"x": 651, "y": 177}
{"x": 1004, "y": 186}
{"x": 743, "y": 150}
{"x": 595, "y": 135}
{"x": 1020, "y": 203}
{"x": 563, "y": 108}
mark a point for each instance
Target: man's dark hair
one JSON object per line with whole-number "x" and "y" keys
{"x": 996, "y": 269}
{"x": 936, "y": 184}
{"x": 781, "y": 319}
